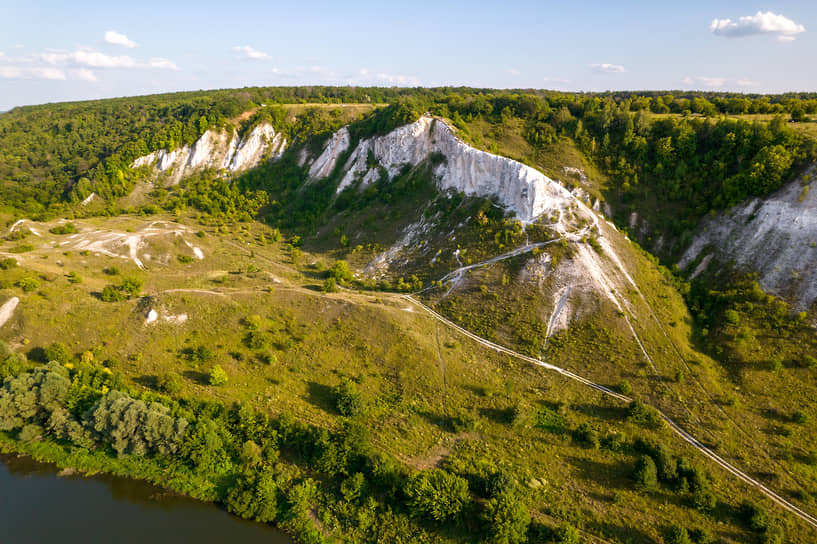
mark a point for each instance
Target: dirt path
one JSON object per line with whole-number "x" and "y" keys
{"x": 691, "y": 440}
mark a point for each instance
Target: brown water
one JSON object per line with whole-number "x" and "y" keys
{"x": 37, "y": 506}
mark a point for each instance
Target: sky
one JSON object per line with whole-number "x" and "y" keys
{"x": 61, "y": 51}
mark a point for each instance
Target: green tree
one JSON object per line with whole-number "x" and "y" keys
{"x": 217, "y": 376}
{"x": 437, "y": 494}
{"x": 645, "y": 473}
{"x": 348, "y": 401}
{"x": 506, "y": 519}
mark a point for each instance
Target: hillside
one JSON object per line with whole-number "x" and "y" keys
{"x": 547, "y": 379}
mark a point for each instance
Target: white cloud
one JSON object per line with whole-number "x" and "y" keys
{"x": 722, "y": 83}
{"x": 606, "y": 68}
{"x": 115, "y": 38}
{"x": 514, "y": 71}
{"x": 400, "y": 80}
{"x": 760, "y": 23}
{"x": 60, "y": 64}
{"x": 95, "y": 59}
{"x": 250, "y": 53}
{"x": 83, "y": 74}
{"x": 162, "y": 64}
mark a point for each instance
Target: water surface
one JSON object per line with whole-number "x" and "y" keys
{"x": 37, "y": 506}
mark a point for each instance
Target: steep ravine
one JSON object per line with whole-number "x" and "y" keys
{"x": 776, "y": 237}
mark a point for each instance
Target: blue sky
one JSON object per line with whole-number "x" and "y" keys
{"x": 56, "y": 51}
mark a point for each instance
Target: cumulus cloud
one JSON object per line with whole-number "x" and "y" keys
{"x": 162, "y": 64}
{"x": 376, "y": 78}
{"x": 760, "y": 23}
{"x": 606, "y": 68}
{"x": 77, "y": 65}
{"x": 249, "y": 53}
{"x": 115, "y": 38}
{"x": 722, "y": 83}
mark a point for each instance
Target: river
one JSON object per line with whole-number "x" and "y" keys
{"x": 37, "y": 506}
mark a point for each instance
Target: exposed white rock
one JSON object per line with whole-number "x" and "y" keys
{"x": 88, "y": 199}
{"x": 326, "y": 162}
{"x": 518, "y": 187}
{"x": 217, "y": 149}
{"x": 7, "y": 309}
{"x": 152, "y": 316}
{"x": 775, "y": 237}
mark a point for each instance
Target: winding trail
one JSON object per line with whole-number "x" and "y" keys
{"x": 687, "y": 437}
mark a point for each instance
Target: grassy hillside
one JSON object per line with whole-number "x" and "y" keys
{"x": 351, "y": 396}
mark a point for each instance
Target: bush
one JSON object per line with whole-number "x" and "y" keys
{"x": 217, "y": 376}
{"x": 624, "y": 387}
{"x": 185, "y": 259}
{"x": 329, "y": 286}
{"x": 169, "y": 383}
{"x": 7, "y": 263}
{"x": 809, "y": 361}
{"x": 66, "y": 228}
{"x": 110, "y": 293}
{"x": 506, "y": 519}
{"x": 57, "y": 352}
{"x": 341, "y": 272}
{"x": 436, "y": 494}
{"x": 27, "y": 284}
{"x": 644, "y": 415}
{"x": 347, "y": 398}
{"x": 645, "y": 473}
{"x": 676, "y": 534}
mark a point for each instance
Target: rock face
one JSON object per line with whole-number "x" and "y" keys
{"x": 518, "y": 187}
{"x": 217, "y": 149}
{"x": 775, "y": 237}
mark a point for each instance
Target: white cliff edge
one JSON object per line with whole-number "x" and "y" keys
{"x": 217, "y": 149}
{"x": 775, "y": 237}
{"x": 518, "y": 187}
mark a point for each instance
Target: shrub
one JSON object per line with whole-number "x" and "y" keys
{"x": 436, "y": 494}
{"x": 7, "y": 263}
{"x": 110, "y": 293}
{"x": 217, "y": 376}
{"x": 341, "y": 272}
{"x": 809, "y": 361}
{"x": 624, "y": 387}
{"x": 330, "y": 286}
{"x": 169, "y": 383}
{"x": 645, "y": 473}
{"x": 57, "y": 352}
{"x": 347, "y": 398}
{"x": 644, "y": 415}
{"x": 27, "y": 284}
{"x": 675, "y": 534}
{"x": 65, "y": 228}
{"x": 506, "y": 519}
{"x": 185, "y": 259}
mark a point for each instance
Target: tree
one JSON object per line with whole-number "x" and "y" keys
{"x": 506, "y": 519}
{"x": 645, "y": 473}
{"x": 436, "y": 494}
{"x": 217, "y": 376}
{"x": 341, "y": 272}
{"x": 348, "y": 401}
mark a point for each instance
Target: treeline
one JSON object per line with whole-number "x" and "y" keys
{"x": 59, "y": 153}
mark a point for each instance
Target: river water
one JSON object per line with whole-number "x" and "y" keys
{"x": 37, "y": 506}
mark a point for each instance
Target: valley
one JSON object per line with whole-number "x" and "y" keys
{"x": 392, "y": 293}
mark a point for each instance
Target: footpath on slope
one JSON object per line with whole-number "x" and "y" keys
{"x": 687, "y": 437}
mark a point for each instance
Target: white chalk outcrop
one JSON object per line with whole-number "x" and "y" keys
{"x": 217, "y": 149}
{"x": 775, "y": 237}
{"x": 518, "y": 187}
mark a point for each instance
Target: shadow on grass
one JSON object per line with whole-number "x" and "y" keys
{"x": 149, "y": 381}
{"x": 607, "y": 413}
{"x": 196, "y": 376}
{"x": 498, "y": 415}
{"x": 321, "y": 396}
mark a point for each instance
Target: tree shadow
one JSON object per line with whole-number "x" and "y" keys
{"x": 196, "y": 376}
{"x": 37, "y": 355}
{"x": 498, "y": 415}
{"x": 149, "y": 381}
{"x": 321, "y": 396}
{"x": 607, "y": 413}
